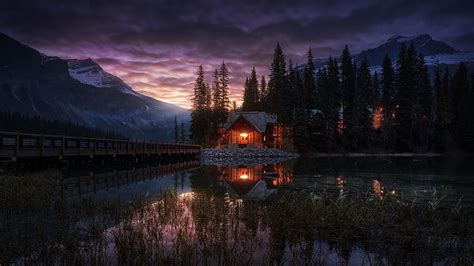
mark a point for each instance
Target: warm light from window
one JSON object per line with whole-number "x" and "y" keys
{"x": 244, "y": 135}
{"x": 186, "y": 195}
{"x": 244, "y": 176}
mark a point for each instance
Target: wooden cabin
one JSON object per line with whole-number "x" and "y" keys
{"x": 251, "y": 129}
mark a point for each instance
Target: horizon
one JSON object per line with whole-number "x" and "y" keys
{"x": 156, "y": 49}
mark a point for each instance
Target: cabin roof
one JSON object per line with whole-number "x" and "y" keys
{"x": 259, "y": 120}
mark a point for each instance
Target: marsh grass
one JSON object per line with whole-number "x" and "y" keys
{"x": 209, "y": 228}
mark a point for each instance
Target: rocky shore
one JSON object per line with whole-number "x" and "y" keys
{"x": 244, "y": 156}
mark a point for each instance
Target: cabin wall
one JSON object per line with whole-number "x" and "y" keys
{"x": 235, "y": 137}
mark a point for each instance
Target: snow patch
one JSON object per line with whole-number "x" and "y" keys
{"x": 449, "y": 59}
{"x": 400, "y": 38}
{"x": 90, "y": 73}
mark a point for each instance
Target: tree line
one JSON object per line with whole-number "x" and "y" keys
{"x": 210, "y": 105}
{"x": 16, "y": 122}
{"x": 179, "y": 131}
{"x": 344, "y": 107}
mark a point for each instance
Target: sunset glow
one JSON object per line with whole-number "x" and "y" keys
{"x": 156, "y": 47}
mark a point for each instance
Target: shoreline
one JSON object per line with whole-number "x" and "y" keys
{"x": 362, "y": 154}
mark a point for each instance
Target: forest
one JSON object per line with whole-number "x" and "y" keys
{"x": 344, "y": 107}
{"x": 15, "y": 122}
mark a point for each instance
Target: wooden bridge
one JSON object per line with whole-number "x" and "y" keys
{"x": 14, "y": 145}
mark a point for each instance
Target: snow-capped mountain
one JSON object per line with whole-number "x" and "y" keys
{"x": 423, "y": 43}
{"x": 79, "y": 91}
{"x": 90, "y": 73}
{"x": 434, "y": 52}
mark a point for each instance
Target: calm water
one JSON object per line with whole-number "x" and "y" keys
{"x": 414, "y": 179}
{"x": 228, "y": 215}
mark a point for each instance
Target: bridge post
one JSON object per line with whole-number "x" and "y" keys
{"x": 17, "y": 150}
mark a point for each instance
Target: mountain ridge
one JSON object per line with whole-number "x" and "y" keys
{"x": 79, "y": 91}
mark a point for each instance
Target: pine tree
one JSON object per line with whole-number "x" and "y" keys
{"x": 462, "y": 108}
{"x": 328, "y": 103}
{"x": 388, "y": 105}
{"x": 376, "y": 94}
{"x": 182, "y": 133}
{"x": 176, "y": 129}
{"x": 441, "y": 89}
{"x": 301, "y": 124}
{"x": 263, "y": 92}
{"x": 309, "y": 83}
{"x": 208, "y": 97}
{"x": 423, "y": 109}
{"x": 348, "y": 84}
{"x": 200, "y": 118}
{"x": 276, "y": 84}
{"x": 246, "y": 98}
{"x": 405, "y": 97}
{"x": 362, "y": 108}
{"x": 216, "y": 91}
{"x": 224, "y": 85}
{"x": 250, "y": 101}
{"x": 289, "y": 97}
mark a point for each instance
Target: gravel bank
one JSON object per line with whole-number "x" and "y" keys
{"x": 244, "y": 156}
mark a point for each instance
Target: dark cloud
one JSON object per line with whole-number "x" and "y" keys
{"x": 156, "y": 46}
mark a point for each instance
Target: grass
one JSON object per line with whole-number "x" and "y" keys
{"x": 210, "y": 228}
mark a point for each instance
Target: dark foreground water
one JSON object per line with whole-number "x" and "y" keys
{"x": 311, "y": 211}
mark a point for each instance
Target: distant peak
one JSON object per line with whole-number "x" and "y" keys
{"x": 78, "y": 63}
{"x": 401, "y": 38}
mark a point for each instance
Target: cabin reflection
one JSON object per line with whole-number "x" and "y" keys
{"x": 254, "y": 182}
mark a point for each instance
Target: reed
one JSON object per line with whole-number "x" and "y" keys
{"x": 206, "y": 227}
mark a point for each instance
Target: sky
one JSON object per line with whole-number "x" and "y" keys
{"x": 156, "y": 46}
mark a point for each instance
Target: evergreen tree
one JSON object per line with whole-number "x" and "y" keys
{"x": 328, "y": 103}
{"x": 246, "y": 98}
{"x": 216, "y": 91}
{"x": 200, "y": 119}
{"x": 348, "y": 84}
{"x": 224, "y": 85}
{"x": 376, "y": 101}
{"x": 250, "y": 101}
{"x": 277, "y": 84}
{"x": 388, "y": 105}
{"x": 263, "y": 92}
{"x": 301, "y": 135}
{"x": 309, "y": 83}
{"x": 176, "y": 130}
{"x": 220, "y": 100}
{"x": 443, "y": 117}
{"x": 462, "y": 108}
{"x": 362, "y": 109}
{"x": 289, "y": 98}
{"x": 182, "y": 133}
{"x": 423, "y": 110}
{"x": 405, "y": 96}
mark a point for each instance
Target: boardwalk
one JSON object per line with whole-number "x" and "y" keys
{"x": 18, "y": 145}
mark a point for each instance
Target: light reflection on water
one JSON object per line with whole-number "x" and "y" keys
{"x": 415, "y": 180}
{"x": 249, "y": 213}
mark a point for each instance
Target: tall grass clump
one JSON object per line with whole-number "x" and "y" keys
{"x": 211, "y": 228}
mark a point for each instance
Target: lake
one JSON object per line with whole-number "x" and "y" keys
{"x": 416, "y": 179}
{"x": 362, "y": 210}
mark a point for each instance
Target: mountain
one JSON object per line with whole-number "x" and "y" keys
{"x": 80, "y": 91}
{"x": 423, "y": 43}
{"x": 433, "y": 51}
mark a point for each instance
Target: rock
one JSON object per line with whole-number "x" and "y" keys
{"x": 244, "y": 156}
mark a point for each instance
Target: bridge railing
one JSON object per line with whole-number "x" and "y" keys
{"x": 15, "y": 144}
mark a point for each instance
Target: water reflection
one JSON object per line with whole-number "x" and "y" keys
{"x": 251, "y": 214}
{"x": 255, "y": 181}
